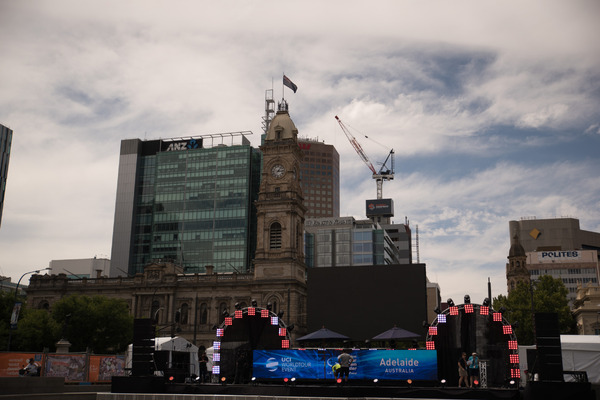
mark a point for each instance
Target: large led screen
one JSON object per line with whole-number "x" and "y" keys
{"x": 368, "y": 364}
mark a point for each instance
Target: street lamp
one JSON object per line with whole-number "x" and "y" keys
{"x": 15, "y": 311}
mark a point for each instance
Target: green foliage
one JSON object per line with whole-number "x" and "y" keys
{"x": 98, "y": 323}
{"x": 36, "y": 330}
{"x": 549, "y": 295}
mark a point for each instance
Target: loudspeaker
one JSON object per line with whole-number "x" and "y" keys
{"x": 549, "y": 351}
{"x": 142, "y": 360}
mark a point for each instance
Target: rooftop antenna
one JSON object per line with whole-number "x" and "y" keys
{"x": 417, "y": 243}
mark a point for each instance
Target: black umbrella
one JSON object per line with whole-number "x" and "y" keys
{"x": 396, "y": 333}
{"x": 323, "y": 334}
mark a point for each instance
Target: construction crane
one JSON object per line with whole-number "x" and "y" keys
{"x": 384, "y": 173}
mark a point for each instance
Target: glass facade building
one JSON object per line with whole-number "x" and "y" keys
{"x": 337, "y": 242}
{"x": 5, "y": 143}
{"x": 183, "y": 201}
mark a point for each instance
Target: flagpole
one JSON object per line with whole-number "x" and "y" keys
{"x": 282, "y": 88}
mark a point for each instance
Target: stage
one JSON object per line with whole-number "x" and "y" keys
{"x": 308, "y": 390}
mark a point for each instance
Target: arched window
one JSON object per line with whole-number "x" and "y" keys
{"x": 154, "y": 311}
{"x": 222, "y": 309}
{"x": 184, "y": 314}
{"x": 275, "y": 236}
{"x": 203, "y": 314}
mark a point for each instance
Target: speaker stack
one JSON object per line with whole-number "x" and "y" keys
{"x": 142, "y": 360}
{"x": 549, "y": 351}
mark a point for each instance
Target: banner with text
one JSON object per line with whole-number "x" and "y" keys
{"x": 367, "y": 364}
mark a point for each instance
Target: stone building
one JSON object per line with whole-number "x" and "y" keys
{"x": 586, "y": 309}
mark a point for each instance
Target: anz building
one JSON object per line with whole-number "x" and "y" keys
{"x": 186, "y": 200}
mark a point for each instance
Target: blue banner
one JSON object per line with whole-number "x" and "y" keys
{"x": 367, "y": 364}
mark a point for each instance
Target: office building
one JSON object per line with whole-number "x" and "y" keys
{"x": 320, "y": 178}
{"x": 575, "y": 267}
{"x": 553, "y": 234}
{"x": 336, "y": 242}
{"x": 5, "y": 143}
{"x": 560, "y": 248}
{"x": 82, "y": 267}
{"x": 187, "y": 200}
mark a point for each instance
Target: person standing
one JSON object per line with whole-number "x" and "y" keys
{"x": 203, "y": 367}
{"x": 345, "y": 361}
{"x": 473, "y": 364}
{"x": 463, "y": 375}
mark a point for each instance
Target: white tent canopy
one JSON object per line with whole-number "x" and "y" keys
{"x": 175, "y": 344}
{"x": 579, "y": 353}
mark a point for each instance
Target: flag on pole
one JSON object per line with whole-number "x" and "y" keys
{"x": 287, "y": 82}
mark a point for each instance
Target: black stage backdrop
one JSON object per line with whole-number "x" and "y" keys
{"x": 362, "y": 302}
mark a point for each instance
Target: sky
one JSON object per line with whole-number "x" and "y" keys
{"x": 492, "y": 109}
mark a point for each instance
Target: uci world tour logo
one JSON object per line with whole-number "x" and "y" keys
{"x": 272, "y": 364}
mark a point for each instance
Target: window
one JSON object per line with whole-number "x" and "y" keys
{"x": 222, "y": 309}
{"x": 203, "y": 314}
{"x": 275, "y": 236}
{"x": 184, "y": 314}
{"x": 154, "y": 311}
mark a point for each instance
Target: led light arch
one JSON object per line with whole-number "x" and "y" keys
{"x": 475, "y": 328}
{"x": 247, "y": 329}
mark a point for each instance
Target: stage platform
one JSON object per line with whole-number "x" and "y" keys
{"x": 350, "y": 390}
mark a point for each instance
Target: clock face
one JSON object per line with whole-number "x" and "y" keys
{"x": 278, "y": 171}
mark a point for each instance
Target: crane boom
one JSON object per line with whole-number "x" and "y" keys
{"x": 356, "y": 146}
{"x": 384, "y": 174}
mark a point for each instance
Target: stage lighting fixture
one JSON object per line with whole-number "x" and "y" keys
{"x": 469, "y": 308}
{"x": 254, "y": 303}
{"x": 486, "y": 302}
{"x": 516, "y": 324}
{"x": 223, "y": 380}
{"x": 437, "y": 310}
{"x": 253, "y": 381}
{"x": 512, "y": 383}
{"x": 476, "y": 382}
{"x": 280, "y": 314}
{"x": 237, "y": 306}
{"x": 502, "y": 310}
{"x": 285, "y": 380}
{"x": 425, "y": 324}
{"x": 269, "y": 306}
{"x": 453, "y": 310}
{"x": 239, "y": 314}
{"x": 450, "y": 303}
{"x": 409, "y": 381}
{"x": 443, "y": 382}
{"x": 225, "y": 313}
{"x": 375, "y": 381}
{"x": 467, "y": 299}
{"x": 338, "y": 380}
{"x": 497, "y": 317}
{"x": 441, "y": 319}
{"x": 293, "y": 379}
{"x": 264, "y": 313}
{"x": 291, "y": 327}
{"x": 484, "y": 310}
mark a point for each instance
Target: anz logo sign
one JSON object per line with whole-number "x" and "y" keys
{"x": 184, "y": 145}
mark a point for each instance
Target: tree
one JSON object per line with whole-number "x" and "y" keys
{"x": 36, "y": 330}
{"x": 549, "y": 295}
{"x": 98, "y": 323}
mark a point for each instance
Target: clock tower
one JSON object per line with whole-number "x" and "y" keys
{"x": 280, "y": 210}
